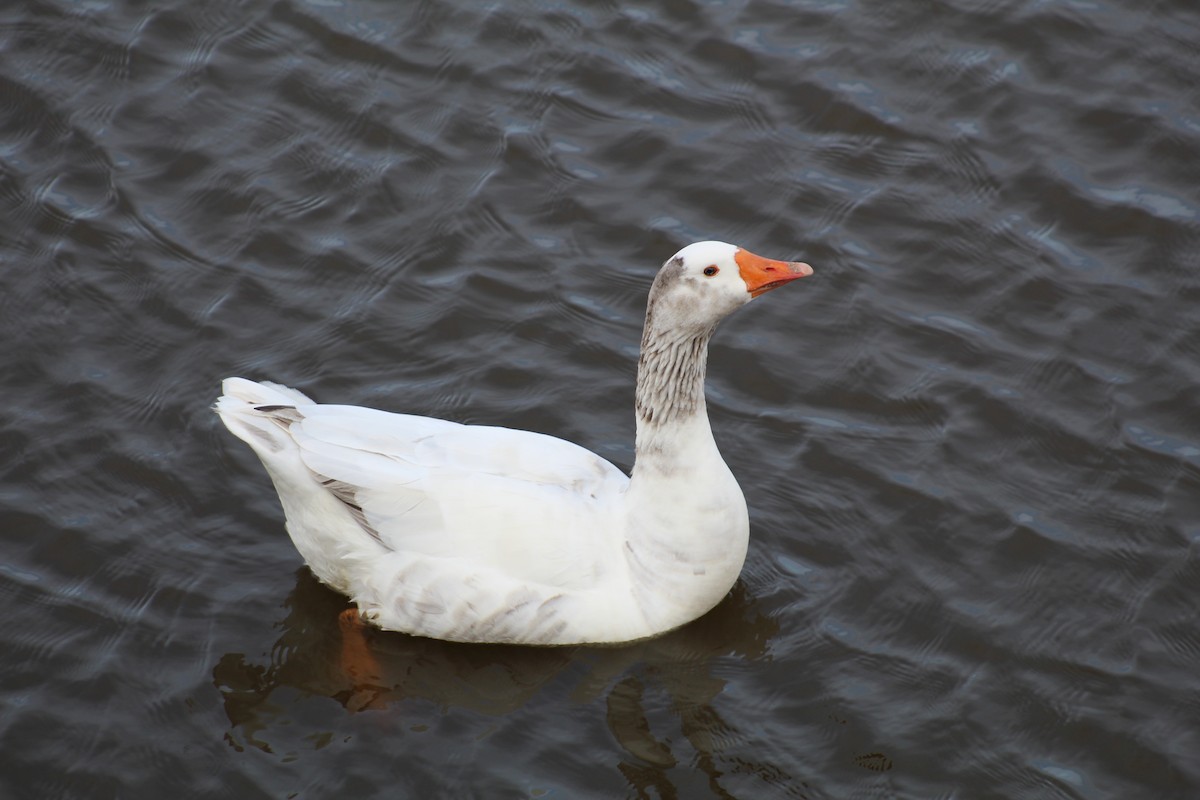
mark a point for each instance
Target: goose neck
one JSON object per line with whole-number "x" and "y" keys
{"x": 672, "y": 417}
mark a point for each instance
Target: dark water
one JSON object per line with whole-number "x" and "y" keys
{"x": 970, "y": 443}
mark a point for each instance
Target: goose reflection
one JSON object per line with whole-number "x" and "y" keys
{"x": 323, "y": 651}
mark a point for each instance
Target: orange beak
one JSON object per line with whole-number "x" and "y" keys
{"x": 764, "y": 274}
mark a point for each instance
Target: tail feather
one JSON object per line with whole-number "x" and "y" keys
{"x": 263, "y": 393}
{"x": 253, "y": 411}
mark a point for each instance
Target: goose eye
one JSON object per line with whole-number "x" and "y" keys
{"x": 710, "y": 271}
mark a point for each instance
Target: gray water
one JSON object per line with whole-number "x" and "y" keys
{"x": 970, "y": 443}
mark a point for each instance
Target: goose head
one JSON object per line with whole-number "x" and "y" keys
{"x": 706, "y": 281}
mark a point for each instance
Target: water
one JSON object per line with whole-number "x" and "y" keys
{"x": 970, "y": 442}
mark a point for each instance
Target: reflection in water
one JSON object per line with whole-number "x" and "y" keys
{"x": 322, "y": 652}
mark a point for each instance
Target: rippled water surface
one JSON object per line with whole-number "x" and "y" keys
{"x": 970, "y": 442}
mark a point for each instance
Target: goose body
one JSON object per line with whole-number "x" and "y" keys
{"x": 487, "y": 534}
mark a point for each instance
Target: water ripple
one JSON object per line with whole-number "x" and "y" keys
{"x": 969, "y": 443}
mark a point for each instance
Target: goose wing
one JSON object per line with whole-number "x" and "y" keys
{"x": 529, "y": 505}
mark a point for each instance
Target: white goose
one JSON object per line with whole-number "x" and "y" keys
{"x": 482, "y": 534}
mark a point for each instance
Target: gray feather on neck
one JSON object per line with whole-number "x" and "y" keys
{"x": 673, "y": 358}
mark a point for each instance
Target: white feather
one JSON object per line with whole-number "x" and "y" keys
{"x": 480, "y": 533}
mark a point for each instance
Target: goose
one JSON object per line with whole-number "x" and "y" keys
{"x": 475, "y": 533}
